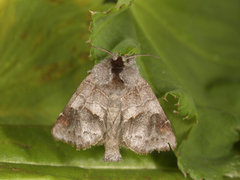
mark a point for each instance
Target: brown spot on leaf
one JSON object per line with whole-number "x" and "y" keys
{"x": 20, "y": 144}
{"x": 147, "y": 178}
{"x": 17, "y": 169}
{"x": 55, "y": 1}
{"x": 53, "y": 71}
{"x": 24, "y": 35}
{"x": 74, "y": 49}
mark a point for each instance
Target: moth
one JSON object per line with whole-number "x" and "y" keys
{"x": 116, "y": 107}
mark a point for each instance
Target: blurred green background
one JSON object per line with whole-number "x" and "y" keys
{"x": 44, "y": 57}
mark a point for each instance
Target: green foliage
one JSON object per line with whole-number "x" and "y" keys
{"x": 44, "y": 58}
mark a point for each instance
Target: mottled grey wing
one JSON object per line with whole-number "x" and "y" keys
{"x": 81, "y": 123}
{"x": 145, "y": 125}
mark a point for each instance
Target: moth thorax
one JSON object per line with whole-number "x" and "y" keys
{"x": 117, "y": 65}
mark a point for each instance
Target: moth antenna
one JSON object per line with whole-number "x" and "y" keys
{"x": 101, "y": 49}
{"x": 114, "y": 56}
{"x": 141, "y": 55}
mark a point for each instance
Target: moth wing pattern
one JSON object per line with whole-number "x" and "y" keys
{"x": 116, "y": 107}
{"x": 81, "y": 123}
{"x": 145, "y": 125}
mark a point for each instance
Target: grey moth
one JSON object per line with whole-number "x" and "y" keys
{"x": 116, "y": 107}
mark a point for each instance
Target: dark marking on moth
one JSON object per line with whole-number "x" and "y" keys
{"x": 63, "y": 120}
{"x": 116, "y": 107}
{"x": 117, "y": 65}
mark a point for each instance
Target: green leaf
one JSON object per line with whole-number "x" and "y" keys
{"x": 23, "y": 171}
{"x": 207, "y": 152}
{"x": 42, "y": 49}
{"x": 194, "y": 69}
{"x": 44, "y": 58}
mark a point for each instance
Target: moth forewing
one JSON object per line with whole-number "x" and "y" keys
{"x": 116, "y": 107}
